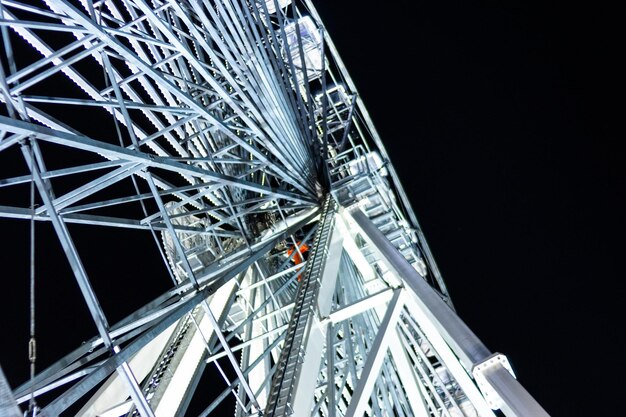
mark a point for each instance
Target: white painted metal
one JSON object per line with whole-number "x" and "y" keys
{"x": 376, "y": 356}
{"x": 113, "y": 391}
{"x": 316, "y": 337}
{"x": 8, "y": 407}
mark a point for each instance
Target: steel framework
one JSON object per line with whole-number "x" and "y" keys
{"x": 230, "y": 132}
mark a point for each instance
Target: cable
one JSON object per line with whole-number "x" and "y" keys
{"x": 32, "y": 344}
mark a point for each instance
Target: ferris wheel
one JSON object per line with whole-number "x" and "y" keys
{"x": 281, "y": 270}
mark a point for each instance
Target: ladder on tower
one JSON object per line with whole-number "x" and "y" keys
{"x": 283, "y": 383}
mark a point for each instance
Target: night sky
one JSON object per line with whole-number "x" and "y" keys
{"x": 504, "y": 122}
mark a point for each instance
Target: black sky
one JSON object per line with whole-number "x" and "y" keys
{"x": 505, "y": 122}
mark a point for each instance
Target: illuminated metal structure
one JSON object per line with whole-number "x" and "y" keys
{"x": 231, "y": 132}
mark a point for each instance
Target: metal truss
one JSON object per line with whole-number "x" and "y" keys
{"x": 231, "y": 133}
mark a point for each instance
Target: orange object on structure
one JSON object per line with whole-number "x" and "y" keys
{"x": 297, "y": 257}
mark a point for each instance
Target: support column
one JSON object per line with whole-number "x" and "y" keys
{"x": 8, "y": 406}
{"x": 299, "y": 363}
{"x": 407, "y": 377}
{"x": 470, "y": 350}
{"x": 375, "y": 357}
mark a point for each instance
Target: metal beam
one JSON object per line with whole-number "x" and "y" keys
{"x": 407, "y": 377}
{"x": 375, "y": 357}
{"x": 511, "y": 397}
{"x": 8, "y": 406}
{"x": 464, "y": 342}
{"x": 148, "y": 160}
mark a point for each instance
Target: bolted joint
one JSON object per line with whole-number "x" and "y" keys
{"x": 480, "y": 372}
